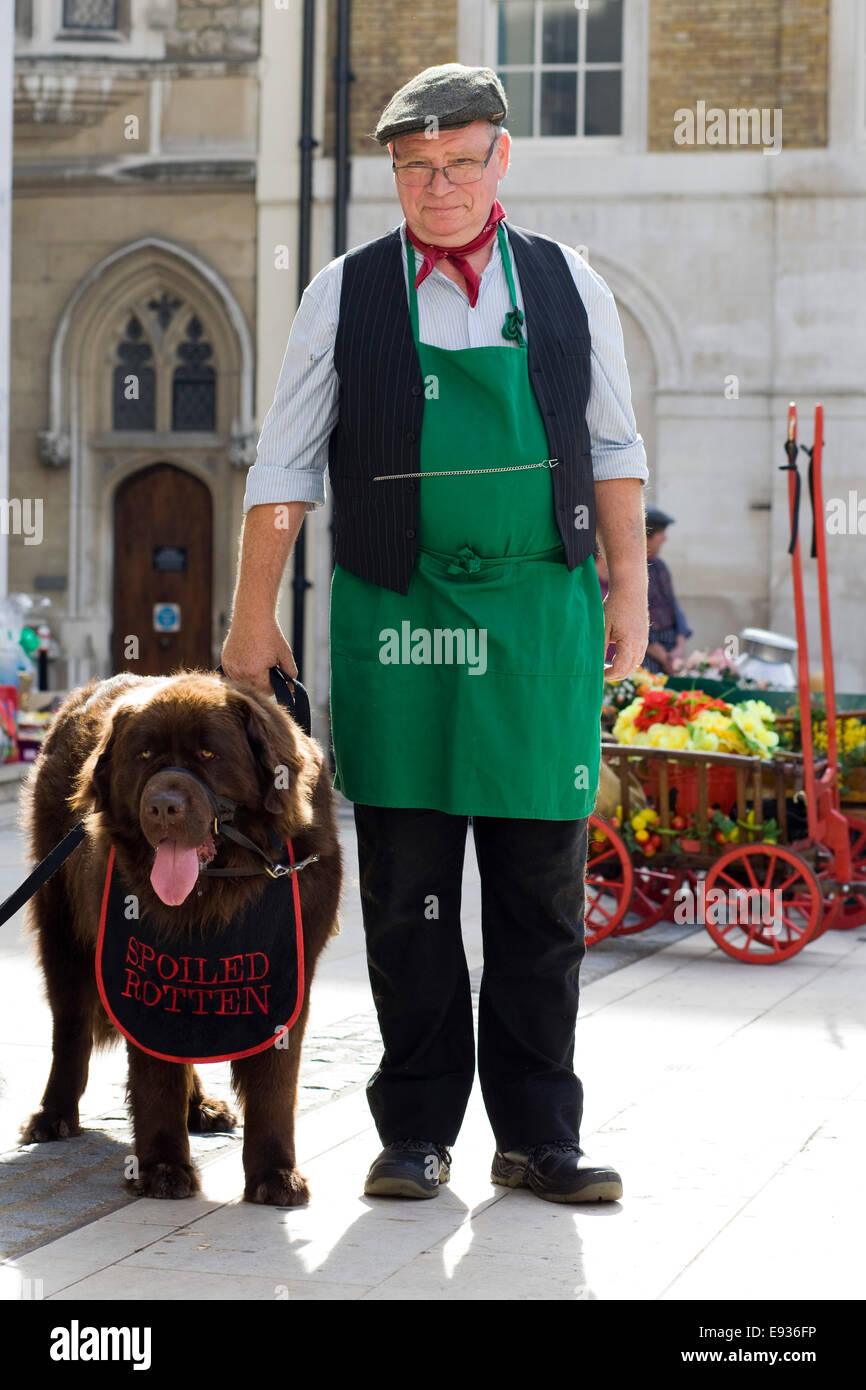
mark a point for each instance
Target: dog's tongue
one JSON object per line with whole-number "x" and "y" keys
{"x": 174, "y": 872}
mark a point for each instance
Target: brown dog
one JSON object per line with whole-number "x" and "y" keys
{"x": 102, "y": 761}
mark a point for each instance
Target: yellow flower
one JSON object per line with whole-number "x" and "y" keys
{"x": 704, "y": 740}
{"x": 623, "y": 729}
{"x": 673, "y": 736}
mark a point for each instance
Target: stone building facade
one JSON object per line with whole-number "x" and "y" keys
{"x": 158, "y": 162}
{"x": 133, "y": 319}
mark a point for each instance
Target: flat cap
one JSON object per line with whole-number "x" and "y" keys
{"x": 658, "y": 519}
{"x": 443, "y": 97}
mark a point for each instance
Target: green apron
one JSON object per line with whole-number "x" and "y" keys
{"x": 479, "y": 691}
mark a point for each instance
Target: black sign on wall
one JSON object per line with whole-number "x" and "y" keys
{"x": 169, "y": 558}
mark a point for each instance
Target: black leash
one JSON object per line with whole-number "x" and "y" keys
{"x": 43, "y": 871}
{"x": 291, "y": 695}
{"x": 296, "y": 701}
{"x": 814, "y": 551}
{"x": 791, "y": 467}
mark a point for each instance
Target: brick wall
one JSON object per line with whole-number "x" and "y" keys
{"x": 739, "y": 53}
{"x": 391, "y": 41}
{"x": 214, "y": 31}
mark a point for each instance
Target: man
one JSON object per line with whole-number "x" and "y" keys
{"x": 476, "y": 418}
{"x": 668, "y": 626}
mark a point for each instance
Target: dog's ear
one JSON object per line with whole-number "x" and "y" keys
{"x": 92, "y": 785}
{"x": 285, "y": 778}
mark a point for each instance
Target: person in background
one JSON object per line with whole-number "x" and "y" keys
{"x": 669, "y": 628}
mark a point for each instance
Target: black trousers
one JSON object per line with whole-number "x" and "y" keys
{"x": 532, "y": 894}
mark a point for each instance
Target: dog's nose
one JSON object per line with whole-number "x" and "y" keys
{"x": 164, "y": 809}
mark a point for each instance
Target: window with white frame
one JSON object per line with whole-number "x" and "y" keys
{"x": 105, "y": 28}
{"x": 561, "y": 63}
{"x": 90, "y": 16}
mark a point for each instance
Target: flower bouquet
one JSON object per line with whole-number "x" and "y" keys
{"x": 693, "y": 720}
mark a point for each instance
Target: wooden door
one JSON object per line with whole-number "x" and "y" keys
{"x": 163, "y": 541}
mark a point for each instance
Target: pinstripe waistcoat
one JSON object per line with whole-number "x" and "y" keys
{"x": 381, "y": 405}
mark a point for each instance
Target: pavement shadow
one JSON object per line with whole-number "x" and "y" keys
{"x": 48, "y": 1190}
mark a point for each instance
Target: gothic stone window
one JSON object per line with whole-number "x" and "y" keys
{"x": 164, "y": 366}
{"x": 193, "y": 401}
{"x": 134, "y": 383}
{"x": 561, "y": 66}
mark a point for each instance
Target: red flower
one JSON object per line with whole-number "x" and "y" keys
{"x": 674, "y": 707}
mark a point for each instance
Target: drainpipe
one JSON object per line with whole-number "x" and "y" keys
{"x": 342, "y": 155}
{"x": 343, "y": 76}
{"x": 300, "y": 583}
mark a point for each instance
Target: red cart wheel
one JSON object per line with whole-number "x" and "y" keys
{"x": 762, "y": 869}
{"x": 652, "y": 899}
{"x": 609, "y": 880}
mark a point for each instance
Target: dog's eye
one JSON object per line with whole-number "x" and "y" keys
{"x": 205, "y": 753}
{"x": 145, "y": 754}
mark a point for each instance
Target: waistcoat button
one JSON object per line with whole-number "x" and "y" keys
{"x": 410, "y": 436}
{"x": 416, "y": 390}
{"x": 410, "y": 534}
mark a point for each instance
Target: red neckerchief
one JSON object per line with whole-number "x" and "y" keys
{"x": 458, "y": 254}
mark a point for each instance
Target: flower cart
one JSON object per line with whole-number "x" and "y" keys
{"x": 740, "y": 833}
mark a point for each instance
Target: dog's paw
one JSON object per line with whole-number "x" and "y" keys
{"x": 281, "y": 1187}
{"x": 171, "y": 1180}
{"x": 209, "y": 1116}
{"x": 45, "y": 1127}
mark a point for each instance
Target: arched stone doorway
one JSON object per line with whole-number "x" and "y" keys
{"x": 163, "y": 553}
{"x": 151, "y": 368}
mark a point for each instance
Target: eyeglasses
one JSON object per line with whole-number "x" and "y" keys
{"x": 461, "y": 171}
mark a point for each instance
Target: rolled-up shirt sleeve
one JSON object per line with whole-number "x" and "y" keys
{"x": 292, "y": 451}
{"x": 617, "y": 448}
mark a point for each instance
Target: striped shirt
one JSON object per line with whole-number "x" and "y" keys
{"x": 292, "y": 450}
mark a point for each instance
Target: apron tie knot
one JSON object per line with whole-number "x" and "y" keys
{"x": 469, "y": 562}
{"x": 511, "y": 327}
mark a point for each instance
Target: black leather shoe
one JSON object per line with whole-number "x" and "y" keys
{"x": 558, "y": 1172}
{"x": 409, "y": 1168}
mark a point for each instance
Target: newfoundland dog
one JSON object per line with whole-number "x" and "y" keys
{"x": 155, "y": 766}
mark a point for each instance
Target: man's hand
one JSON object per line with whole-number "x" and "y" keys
{"x": 626, "y": 622}
{"x": 252, "y": 647}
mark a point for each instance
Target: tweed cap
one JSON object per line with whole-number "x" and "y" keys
{"x": 451, "y": 94}
{"x": 657, "y": 519}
